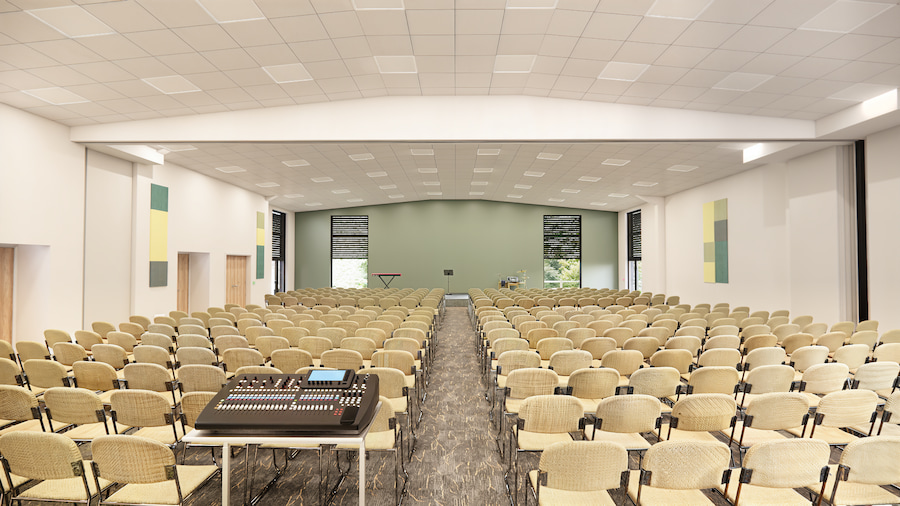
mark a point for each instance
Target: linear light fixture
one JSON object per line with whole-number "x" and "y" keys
{"x": 488, "y": 152}
{"x": 427, "y": 170}
{"x": 378, "y": 5}
{"x": 358, "y": 157}
{"x": 531, "y": 4}
{"x": 682, "y": 168}
{"x": 354, "y": 200}
{"x": 421, "y": 152}
{"x": 396, "y": 196}
{"x": 177, "y": 147}
{"x": 435, "y": 194}
{"x": 570, "y": 190}
{"x": 617, "y": 195}
{"x": 231, "y": 11}
{"x": 324, "y": 179}
{"x": 533, "y": 173}
{"x": 231, "y": 169}
{"x": 522, "y": 187}
{"x": 483, "y": 170}
{"x": 549, "y": 156}
{"x": 388, "y": 187}
{"x": 402, "y": 64}
{"x": 615, "y": 162}
{"x": 296, "y": 163}
{"x": 72, "y": 21}
{"x": 293, "y": 196}
{"x": 514, "y": 196}
{"x": 288, "y": 73}
{"x": 645, "y": 184}
{"x": 680, "y": 9}
{"x": 379, "y": 173}
{"x": 556, "y": 200}
{"x": 599, "y": 204}
{"x": 56, "y": 96}
{"x": 340, "y": 192}
{"x": 621, "y": 71}
{"x": 589, "y": 179}
{"x": 844, "y": 16}
{"x": 432, "y": 183}
{"x": 741, "y": 81}
{"x": 514, "y": 63}
{"x": 268, "y": 185}
{"x": 313, "y": 204}
{"x": 171, "y": 85}
{"x": 479, "y": 183}
{"x": 476, "y": 194}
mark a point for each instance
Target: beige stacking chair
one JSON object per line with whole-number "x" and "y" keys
{"x": 771, "y": 470}
{"x": 677, "y": 472}
{"x": 592, "y": 385}
{"x": 624, "y": 419}
{"x": 19, "y": 410}
{"x": 578, "y": 472}
{"x": 843, "y": 410}
{"x": 77, "y": 412}
{"x": 697, "y": 416}
{"x": 766, "y": 415}
{"x": 868, "y": 473}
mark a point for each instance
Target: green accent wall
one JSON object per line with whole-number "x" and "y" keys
{"x": 478, "y": 239}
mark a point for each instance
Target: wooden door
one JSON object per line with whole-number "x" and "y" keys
{"x": 184, "y": 282}
{"x": 7, "y": 262}
{"x": 236, "y": 280}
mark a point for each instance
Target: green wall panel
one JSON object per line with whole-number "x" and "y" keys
{"x": 480, "y": 240}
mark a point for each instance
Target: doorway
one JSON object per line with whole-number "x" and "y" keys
{"x": 184, "y": 282}
{"x": 7, "y": 271}
{"x": 236, "y": 280}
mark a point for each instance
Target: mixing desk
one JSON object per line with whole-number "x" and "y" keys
{"x": 324, "y": 402}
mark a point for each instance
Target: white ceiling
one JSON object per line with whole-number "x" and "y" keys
{"x": 126, "y": 60}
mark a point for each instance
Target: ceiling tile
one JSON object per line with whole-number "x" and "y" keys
{"x": 61, "y": 76}
{"x": 24, "y": 57}
{"x": 707, "y": 34}
{"x": 431, "y": 22}
{"x": 526, "y": 21}
{"x": 888, "y": 53}
{"x": 638, "y": 7}
{"x": 733, "y": 11}
{"x": 277, "y": 54}
{"x": 803, "y": 42}
{"x": 435, "y": 64}
{"x": 102, "y": 71}
{"x": 813, "y": 68}
{"x": 383, "y": 22}
{"x": 187, "y": 63}
{"x": 319, "y": 50}
{"x": 390, "y": 45}
{"x": 682, "y": 56}
{"x": 25, "y": 28}
{"x": 477, "y": 44}
{"x": 67, "y": 52}
{"x": 755, "y": 38}
{"x": 159, "y": 42}
{"x": 555, "y": 45}
{"x": 230, "y": 59}
{"x": 583, "y": 68}
{"x": 280, "y": 8}
{"x": 726, "y": 61}
{"x": 658, "y": 30}
{"x": 327, "y": 69}
{"x": 125, "y": 17}
{"x": 639, "y": 52}
{"x": 206, "y": 37}
{"x": 300, "y": 28}
{"x": 253, "y": 33}
{"x": 790, "y": 13}
{"x": 473, "y": 22}
{"x": 596, "y": 49}
{"x": 177, "y": 13}
{"x": 208, "y": 81}
{"x": 433, "y": 44}
{"x": 610, "y": 26}
{"x": 567, "y": 22}
{"x": 519, "y": 44}
{"x": 850, "y": 47}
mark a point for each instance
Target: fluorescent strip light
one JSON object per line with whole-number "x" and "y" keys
{"x": 379, "y": 173}
{"x": 231, "y": 169}
{"x": 483, "y": 170}
{"x": 618, "y": 195}
{"x": 340, "y": 192}
{"x": 421, "y": 152}
{"x": 741, "y": 81}
{"x": 479, "y": 183}
{"x": 599, "y": 204}
{"x": 678, "y": 9}
{"x": 615, "y": 161}
{"x": 427, "y": 170}
{"x": 589, "y": 179}
{"x": 231, "y": 11}
{"x": 396, "y": 196}
{"x": 388, "y": 187}
{"x": 396, "y": 64}
{"x": 435, "y": 194}
{"x": 296, "y": 163}
{"x": 313, "y": 204}
{"x": 72, "y": 21}
{"x": 432, "y": 183}
{"x": 56, "y": 96}
{"x": 488, "y": 152}
{"x": 325, "y": 179}
{"x": 682, "y": 168}
{"x": 171, "y": 85}
{"x": 644, "y": 184}
{"x": 514, "y": 196}
{"x": 570, "y": 190}
{"x": 362, "y": 156}
{"x": 173, "y": 148}
{"x": 618, "y": 71}
{"x": 533, "y": 173}
{"x": 267, "y": 185}
{"x": 531, "y": 4}
{"x": 476, "y": 194}
{"x": 844, "y": 17}
{"x": 556, "y": 200}
{"x": 288, "y": 73}
{"x": 549, "y": 156}
{"x": 522, "y": 187}
{"x": 354, "y": 200}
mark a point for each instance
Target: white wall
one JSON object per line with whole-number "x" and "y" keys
{"x": 786, "y": 232}
{"x": 108, "y": 236}
{"x": 883, "y": 210}
{"x": 206, "y": 216}
{"x": 42, "y": 215}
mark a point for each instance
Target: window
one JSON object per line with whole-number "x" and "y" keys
{"x": 562, "y": 251}
{"x": 349, "y": 251}
{"x": 634, "y": 250}
{"x": 279, "y": 242}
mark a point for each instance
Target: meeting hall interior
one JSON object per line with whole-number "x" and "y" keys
{"x": 581, "y": 186}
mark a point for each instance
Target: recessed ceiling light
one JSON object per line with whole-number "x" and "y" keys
{"x": 522, "y": 187}
{"x": 173, "y": 148}
{"x": 619, "y": 71}
{"x": 232, "y": 11}
{"x": 589, "y": 179}
{"x": 531, "y": 4}
{"x": 514, "y": 196}
{"x": 267, "y": 185}
{"x": 435, "y": 194}
{"x": 844, "y": 17}
{"x": 427, "y": 170}
{"x": 682, "y": 168}
{"x": 72, "y": 21}
{"x": 488, "y": 152}
{"x": 421, "y": 152}
{"x": 533, "y": 173}
{"x": 682, "y": 9}
{"x": 396, "y": 64}
{"x": 293, "y": 196}
{"x": 645, "y": 184}
{"x": 432, "y": 183}
{"x": 479, "y": 183}
{"x": 354, "y": 200}
{"x": 362, "y": 156}
{"x": 618, "y": 195}
{"x": 56, "y": 96}
{"x": 171, "y": 85}
{"x": 296, "y": 163}
{"x": 231, "y": 169}
{"x": 483, "y": 170}
{"x": 556, "y": 200}
{"x": 325, "y": 179}
{"x": 570, "y": 190}
{"x": 599, "y": 203}
{"x": 338, "y": 192}
{"x": 549, "y": 156}
{"x": 313, "y": 204}
{"x": 476, "y": 194}
{"x": 378, "y": 5}
{"x": 514, "y": 63}
{"x": 615, "y": 161}
{"x": 288, "y": 73}
{"x": 379, "y": 173}
{"x": 395, "y": 196}
{"x": 741, "y": 81}
{"x": 388, "y": 187}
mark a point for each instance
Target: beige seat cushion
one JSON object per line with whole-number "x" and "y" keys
{"x": 665, "y": 496}
{"x": 538, "y": 441}
{"x": 65, "y": 490}
{"x": 553, "y": 496}
{"x": 630, "y": 441}
{"x": 189, "y": 477}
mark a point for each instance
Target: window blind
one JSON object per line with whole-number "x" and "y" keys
{"x": 562, "y": 237}
{"x": 349, "y": 237}
{"x": 634, "y": 235}
{"x": 278, "y": 232}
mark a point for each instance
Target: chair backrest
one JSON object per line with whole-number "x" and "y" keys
{"x": 769, "y": 378}
{"x": 159, "y": 340}
{"x": 594, "y": 383}
{"x": 825, "y": 378}
{"x": 853, "y": 355}
{"x": 714, "y": 379}
{"x": 53, "y": 336}
{"x": 288, "y": 361}
{"x": 141, "y": 408}
{"x": 342, "y": 359}
{"x": 807, "y": 356}
{"x": 73, "y": 405}
{"x": 42, "y": 455}
{"x": 236, "y": 358}
{"x": 565, "y": 362}
{"x": 391, "y": 382}
{"x": 584, "y": 465}
{"x": 363, "y": 345}
{"x": 759, "y": 341}
{"x": 193, "y": 403}
{"x": 200, "y": 378}
{"x": 722, "y": 341}
{"x": 267, "y": 344}
{"x": 768, "y": 355}
{"x": 133, "y": 459}
{"x": 147, "y": 376}
{"x": 685, "y": 465}
{"x": 786, "y": 463}
{"x": 68, "y": 353}
{"x": 867, "y": 337}
{"x": 872, "y": 461}
{"x": 887, "y": 351}
{"x": 548, "y": 346}
{"x": 509, "y": 361}
{"x": 523, "y": 383}
{"x": 551, "y": 414}
{"x": 624, "y": 361}
{"x": 97, "y": 376}
{"x": 704, "y": 412}
{"x": 124, "y": 340}
{"x": 777, "y": 411}
{"x": 655, "y": 381}
{"x": 646, "y": 345}
{"x": 598, "y": 346}
{"x": 401, "y": 360}
{"x": 831, "y": 340}
{"x": 45, "y": 373}
{"x": 794, "y": 341}
{"x": 847, "y": 408}
{"x": 628, "y": 413}
{"x": 149, "y": 354}
{"x": 876, "y": 376}
{"x": 680, "y": 360}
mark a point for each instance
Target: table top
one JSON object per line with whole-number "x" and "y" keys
{"x": 386, "y": 274}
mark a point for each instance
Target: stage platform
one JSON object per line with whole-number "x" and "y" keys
{"x": 456, "y": 299}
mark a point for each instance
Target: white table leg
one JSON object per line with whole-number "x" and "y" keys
{"x": 362, "y": 473}
{"x": 226, "y": 474}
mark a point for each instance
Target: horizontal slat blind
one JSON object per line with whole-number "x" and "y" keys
{"x": 562, "y": 237}
{"x": 634, "y": 235}
{"x": 349, "y": 237}
{"x": 278, "y": 220}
